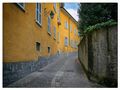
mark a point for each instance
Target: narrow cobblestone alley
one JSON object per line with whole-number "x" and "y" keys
{"x": 61, "y": 44}
{"x": 66, "y": 71}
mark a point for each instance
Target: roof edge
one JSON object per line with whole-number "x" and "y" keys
{"x": 69, "y": 14}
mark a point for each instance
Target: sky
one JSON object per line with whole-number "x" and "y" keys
{"x": 72, "y": 9}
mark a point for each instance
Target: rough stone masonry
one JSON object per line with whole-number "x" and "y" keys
{"x": 98, "y": 55}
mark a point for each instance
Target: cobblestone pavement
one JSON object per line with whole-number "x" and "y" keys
{"x": 64, "y": 72}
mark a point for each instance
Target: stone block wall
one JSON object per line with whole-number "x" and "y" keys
{"x": 98, "y": 54}
{"x": 13, "y": 71}
{"x": 83, "y": 52}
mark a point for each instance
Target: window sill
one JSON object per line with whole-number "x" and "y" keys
{"x": 22, "y": 8}
{"x": 38, "y": 23}
{"x": 66, "y": 45}
{"x": 54, "y": 38}
{"x": 54, "y": 9}
{"x": 49, "y": 33}
{"x": 38, "y": 50}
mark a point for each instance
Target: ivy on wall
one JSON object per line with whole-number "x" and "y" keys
{"x": 99, "y": 26}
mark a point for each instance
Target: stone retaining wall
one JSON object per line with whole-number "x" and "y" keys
{"x": 98, "y": 55}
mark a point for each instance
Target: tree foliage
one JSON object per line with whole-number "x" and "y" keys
{"x": 93, "y": 13}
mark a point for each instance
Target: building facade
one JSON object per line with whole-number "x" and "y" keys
{"x": 34, "y": 30}
{"x": 31, "y": 30}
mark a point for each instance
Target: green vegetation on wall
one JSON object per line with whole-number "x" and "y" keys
{"x": 94, "y": 16}
{"x": 99, "y": 26}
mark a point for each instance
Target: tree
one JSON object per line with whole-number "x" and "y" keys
{"x": 93, "y": 13}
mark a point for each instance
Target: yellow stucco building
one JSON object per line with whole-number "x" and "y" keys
{"x": 31, "y": 30}
{"x": 34, "y": 33}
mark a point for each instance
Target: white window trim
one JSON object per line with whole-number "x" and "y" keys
{"x": 66, "y": 41}
{"x": 49, "y": 32}
{"x": 22, "y": 7}
{"x": 66, "y": 24}
{"x": 55, "y": 6}
{"x": 58, "y": 13}
{"x": 54, "y": 32}
{"x": 37, "y": 21}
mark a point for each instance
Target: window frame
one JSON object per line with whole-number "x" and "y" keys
{"x": 22, "y": 7}
{"x": 66, "y": 41}
{"x": 66, "y": 24}
{"x": 38, "y": 46}
{"x": 58, "y": 12}
{"x": 39, "y": 14}
{"x": 49, "y": 49}
{"x": 49, "y": 25}
{"x": 54, "y": 32}
{"x": 55, "y": 6}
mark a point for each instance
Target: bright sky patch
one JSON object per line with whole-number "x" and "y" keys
{"x": 72, "y": 9}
